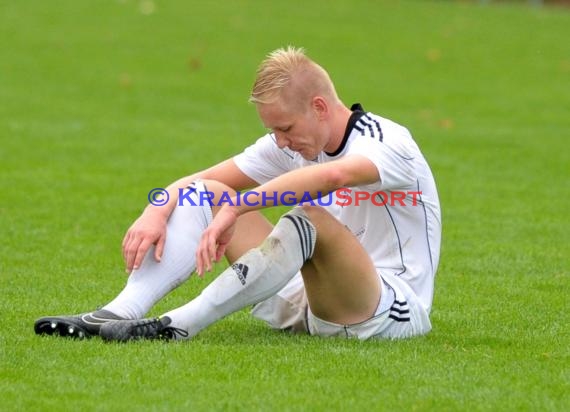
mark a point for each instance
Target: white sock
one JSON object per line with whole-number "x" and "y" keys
{"x": 153, "y": 280}
{"x": 257, "y": 275}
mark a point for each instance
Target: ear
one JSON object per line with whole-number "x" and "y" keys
{"x": 320, "y": 107}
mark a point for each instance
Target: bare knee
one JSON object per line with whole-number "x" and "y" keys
{"x": 216, "y": 194}
{"x": 217, "y": 188}
{"x": 318, "y": 215}
{"x": 329, "y": 231}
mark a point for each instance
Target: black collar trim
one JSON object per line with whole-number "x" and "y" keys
{"x": 357, "y": 113}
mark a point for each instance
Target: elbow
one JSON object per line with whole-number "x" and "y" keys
{"x": 335, "y": 179}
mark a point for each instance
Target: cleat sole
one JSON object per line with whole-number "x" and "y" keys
{"x": 60, "y": 328}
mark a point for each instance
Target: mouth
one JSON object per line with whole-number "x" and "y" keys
{"x": 301, "y": 151}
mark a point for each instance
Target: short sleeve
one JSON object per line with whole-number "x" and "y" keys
{"x": 263, "y": 160}
{"x": 393, "y": 157}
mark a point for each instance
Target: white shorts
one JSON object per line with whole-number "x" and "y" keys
{"x": 399, "y": 313}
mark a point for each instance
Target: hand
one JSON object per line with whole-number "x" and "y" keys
{"x": 215, "y": 239}
{"x": 147, "y": 230}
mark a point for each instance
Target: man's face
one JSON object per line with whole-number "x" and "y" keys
{"x": 298, "y": 130}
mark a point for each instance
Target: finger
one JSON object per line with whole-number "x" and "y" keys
{"x": 126, "y": 240}
{"x": 212, "y": 252}
{"x": 131, "y": 252}
{"x": 206, "y": 253}
{"x": 198, "y": 264}
{"x": 220, "y": 252}
{"x": 199, "y": 260}
{"x": 204, "y": 256}
{"x": 141, "y": 253}
{"x": 159, "y": 248}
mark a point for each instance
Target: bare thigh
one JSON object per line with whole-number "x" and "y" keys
{"x": 340, "y": 280}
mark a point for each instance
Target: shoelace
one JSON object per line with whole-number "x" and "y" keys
{"x": 154, "y": 327}
{"x": 147, "y": 328}
{"x": 171, "y": 332}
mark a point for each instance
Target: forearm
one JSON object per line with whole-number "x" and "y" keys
{"x": 166, "y": 209}
{"x": 285, "y": 189}
{"x": 225, "y": 172}
{"x": 308, "y": 183}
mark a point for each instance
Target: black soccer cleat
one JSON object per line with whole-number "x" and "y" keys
{"x": 126, "y": 330}
{"x": 80, "y": 326}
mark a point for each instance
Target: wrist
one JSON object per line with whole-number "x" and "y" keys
{"x": 233, "y": 209}
{"x": 162, "y": 212}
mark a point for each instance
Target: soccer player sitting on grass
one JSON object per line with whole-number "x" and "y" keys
{"x": 361, "y": 265}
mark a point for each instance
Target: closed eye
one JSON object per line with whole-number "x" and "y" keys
{"x": 284, "y": 129}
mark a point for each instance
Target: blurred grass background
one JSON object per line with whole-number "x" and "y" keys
{"x": 102, "y": 101}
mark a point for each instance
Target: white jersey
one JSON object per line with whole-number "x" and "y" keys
{"x": 399, "y": 225}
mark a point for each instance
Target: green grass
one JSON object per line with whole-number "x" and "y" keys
{"x": 101, "y": 103}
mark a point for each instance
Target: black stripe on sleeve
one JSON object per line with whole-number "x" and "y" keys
{"x": 376, "y": 123}
{"x": 397, "y": 319}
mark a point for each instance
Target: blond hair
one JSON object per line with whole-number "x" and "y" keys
{"x": 287, "y": 73}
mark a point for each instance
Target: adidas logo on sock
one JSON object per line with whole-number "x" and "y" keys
{"x": 241, "y": 271}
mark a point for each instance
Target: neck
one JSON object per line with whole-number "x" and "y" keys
{"x": 339, "y": 120}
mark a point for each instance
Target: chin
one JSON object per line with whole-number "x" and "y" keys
{"x": 309, "y": 156}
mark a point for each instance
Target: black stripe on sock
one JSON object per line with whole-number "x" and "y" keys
{"x": 310, "y": 244}
{"x": 307, "y": 235}
{"x": 299, "y": 233}
{"x": 304, "y": 240}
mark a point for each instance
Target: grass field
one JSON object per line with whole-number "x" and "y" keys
{"x": 102, "y": 101}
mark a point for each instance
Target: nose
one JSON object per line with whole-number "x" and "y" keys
{"x": 281, "y": 140}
